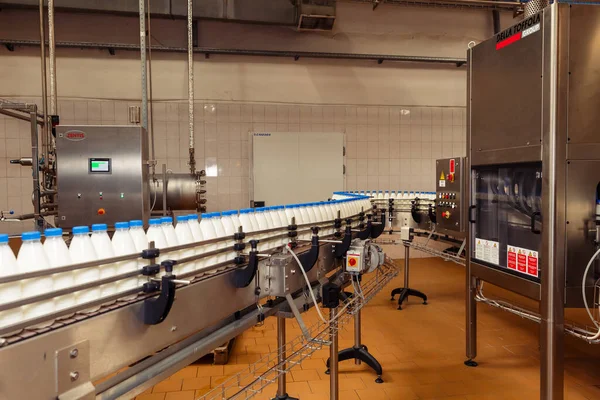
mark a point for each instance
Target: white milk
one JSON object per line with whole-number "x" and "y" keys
{"x": 184, "y": 235}
{"x": 166, "y": 224}
{"x": 33, "y": 258}
{"x": 82, "y": 250}
{"x": 220, "y": 232}
{"x": 156, "y": 234}
{"x": 58, "y": 256}
{"x": 9, "y": 292}
{"x": 123, "y": 244}
{"x": 230, "y": 229}
{"x": 208, "y": 233}
{"x": 104, "y": 250}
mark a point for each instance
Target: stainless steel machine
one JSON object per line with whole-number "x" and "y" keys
{"x": 534, "y": 170}
{"x": 450, "y": 185}
{"x": 102, "y": 174}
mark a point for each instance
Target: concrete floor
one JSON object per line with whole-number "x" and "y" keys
{"x": 420, "y": 348}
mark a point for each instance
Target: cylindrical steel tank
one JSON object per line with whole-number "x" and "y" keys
{"x": 183, "y": 192}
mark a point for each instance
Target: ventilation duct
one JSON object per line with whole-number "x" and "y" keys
{"x": 535, "y": 6}
{"x": 278, "y": 12}
{"x": 316, "y": 15}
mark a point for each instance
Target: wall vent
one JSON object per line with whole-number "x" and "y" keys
{"x": 316, "y": 15}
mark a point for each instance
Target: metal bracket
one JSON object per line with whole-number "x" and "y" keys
{"x": 309, "y": 259}
{"x": 339, "y": 250}
{"x": 377, "y": 229}
{"x": 366, "y": 233}
{"x": 298, "y": 317}
{"x": 242, "y": 277}
{"x": 73, "y": 372}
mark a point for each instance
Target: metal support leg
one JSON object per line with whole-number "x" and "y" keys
{"x": 406, "y": 290}
{"x": 357, "y": 333}
{"x": 281, "y": 356}
{"x": 333, "y": 356}
{"x": 471, "y": 322}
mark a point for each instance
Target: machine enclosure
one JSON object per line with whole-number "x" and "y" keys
{"x": 102, "y": 174}
{"x": 534, "y": 153}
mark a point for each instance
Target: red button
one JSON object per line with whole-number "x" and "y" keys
{"x": 101, "y": 211}
{"x": 352, "y": 262}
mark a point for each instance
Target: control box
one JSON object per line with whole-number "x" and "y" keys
{"x": 450, "y": 187}
{"x": 102, "y": 174}
{"x": 355, "y": 260}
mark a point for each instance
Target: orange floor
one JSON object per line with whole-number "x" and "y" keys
{"x": 420, "y": 348}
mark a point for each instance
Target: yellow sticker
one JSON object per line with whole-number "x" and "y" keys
{"x": 442, "y": 176}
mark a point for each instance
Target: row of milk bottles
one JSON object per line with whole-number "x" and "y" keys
{"x": 399, "y": 195}
{"x": 129, "y": 238}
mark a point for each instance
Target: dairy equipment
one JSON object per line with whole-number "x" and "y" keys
{"x": 534, "y": 172}
{"x": 450, "y": 185}
{"x": 157, "y": 326}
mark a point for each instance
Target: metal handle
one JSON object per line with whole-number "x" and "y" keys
{"x": 471, "y": 208}
{"x": 533, "y": 230}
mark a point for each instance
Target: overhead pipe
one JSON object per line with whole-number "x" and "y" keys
{"x": 52, "y": 61}
{"x": 142, "y": 49}
{"x": 207, "y": 51}
{"x": 151, "y": 126}
{"x": 45, "y": 130}
{"x": 190, "y": 60}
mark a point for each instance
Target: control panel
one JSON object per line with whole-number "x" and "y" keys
{"x": 355, "y": 260}
{"x": 449, "y": 194}
{"x": 102, "y": 174}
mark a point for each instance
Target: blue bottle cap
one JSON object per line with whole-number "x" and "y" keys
{"x": 182, "y": 218}
{"x": 99, "y": 227}
{"x": 136, "y": 223}
{"x": 3, "y": 238}
{"x": 229, "y": 212}
{"x": 121, "y": 225}
{"x": 154, "y": 221}
{"x": 35, "y": 235}
{"x": 80, "y": 229}
{"x": 53, "y": 232}
{"x": 192, "y": 217}
{"x": 166, "y": 220}
{"x": 246, "y": 211}
{"x": 207, "y": 215}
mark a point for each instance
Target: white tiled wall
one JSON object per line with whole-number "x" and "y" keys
{"x": 386, "y": 147}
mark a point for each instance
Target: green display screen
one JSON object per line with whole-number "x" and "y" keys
{"x": 100, "y": 165}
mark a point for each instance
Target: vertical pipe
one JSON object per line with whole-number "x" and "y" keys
{"x": 35, "y": 167}
{"x": 142, "y": 6}
{"x": 52, "y": 60}
{"x": 45, "y": 132}
{"x": 334, "y": 389}
{"x": 406, "y": 262}
{"x": 190, "y": 37}
{"x": 357, "y": 334}
{"x": 471, "y": 321}
{"x": 281, "y": 380}
{"x": 151, "y": 126}
{"x": 164, "y": 187}
{"x": 554, "y": 154}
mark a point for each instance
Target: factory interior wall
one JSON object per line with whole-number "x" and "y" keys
{"x": 397, "y": 117}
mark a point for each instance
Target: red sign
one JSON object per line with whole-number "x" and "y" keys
{"x": 452, "y": 166}
{"x": 532, "y": 265}
{"x": 512, "y": 259}
{"x": 75, "y": 135}
{"x": 522, "y": 261}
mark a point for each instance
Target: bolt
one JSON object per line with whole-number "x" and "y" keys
{"x": 74, "y": 376}
{"x": 173, "y": 328}
{"x": 74, "y": 353}
{"x": 293, "y": 271}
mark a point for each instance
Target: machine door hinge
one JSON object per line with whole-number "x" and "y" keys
{"x": 344, "y": 151}
{"x": 343, "y": 169}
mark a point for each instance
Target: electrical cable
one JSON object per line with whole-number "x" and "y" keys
{"x": 312, "y": 295}
{"x": 587, "y": 308}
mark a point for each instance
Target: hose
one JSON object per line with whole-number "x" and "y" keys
{"x": 587, "y": 308}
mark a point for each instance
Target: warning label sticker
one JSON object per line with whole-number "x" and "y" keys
{"x": 487, "y": 250}
{"x": 523, "y": 260}
{"x": 442, "y": 183}
{"x": 442, "y": 176}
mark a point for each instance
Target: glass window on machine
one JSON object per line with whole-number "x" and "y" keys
{"x": 506, "y": 208}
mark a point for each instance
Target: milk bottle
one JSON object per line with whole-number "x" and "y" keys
{"x": 82, "y": 250}
{"x": 123, "y": 244}
{"x": 184, "y": 236}
{"x": 166, "y": 224}
{"x": 9, "y": 292}
{"x": 31, "y": 258}
{"x": 104, "y": 249}
{"x": 230, "y": 230}
{"x": 58, "y": 255}
{"x": 208, "y": 233}
{"x": 156, "y": 234}
{"x": 220, "y": 233}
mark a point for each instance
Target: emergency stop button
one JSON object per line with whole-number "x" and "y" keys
{"x": 101, "y": 211}
{"x": 352, "y": 262}
{"x": 446, "y": 214}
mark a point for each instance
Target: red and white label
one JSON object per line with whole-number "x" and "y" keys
{"x": 512, "y": 258}
{"x": 523, "y": 260}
